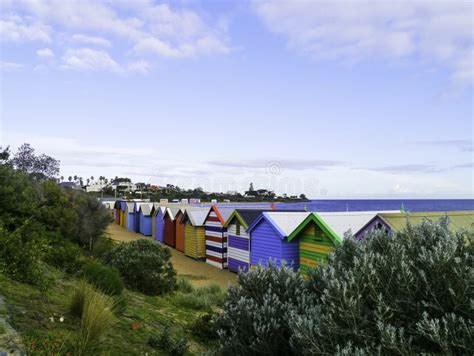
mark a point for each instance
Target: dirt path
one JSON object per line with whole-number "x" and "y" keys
{"x": 198, "y": 272}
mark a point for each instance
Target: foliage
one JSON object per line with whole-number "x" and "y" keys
{"x": 64, "y": 254}
{"x": 93, "y": 219}
{"x": 39, "y": 167}
{"x": 165, "y": 342}
{"x": 106, "y": 279}
{"x": 102, "y": 246}
{"x": 408, "y": 293}
{"x": 202, "y": 298}
{"x": 256, "y": 317}
{"x": 404, "y": 294}
{"x": 21, "y": 252}
{"x": 19, "y": 197}
{"x": 204, "y": 327}
{"x": 184, "y": 285}
{"x": 96, "y": 316}
{"x": 144, "y": 265}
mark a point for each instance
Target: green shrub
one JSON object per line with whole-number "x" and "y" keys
{"x": 64, "y": 255}
{"x": 144, "y": 265}
{"x": 407, "y": 293}
{"x": 21, "y": 252}
{"x": 102, "y": 246}
{"x": 257, "y": 311}
{"x": 106, "y": 279}
{"x": 165, "y": 342}
{"x": 204, "y": 327}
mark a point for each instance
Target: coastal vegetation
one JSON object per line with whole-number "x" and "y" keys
{"x": 65, "y": 288}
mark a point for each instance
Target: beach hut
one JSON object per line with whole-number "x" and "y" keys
{"x": 159, "y": 224}
{"x": 179, "y": 231}
{"x": 123, "y": 206}
{"x": 269, "y": 238}
{"x": 170, "y": 226}
{"x": 144, "y": 212}
{"x": 394, "y": 222}
{"x": 238, "y": 240}
{"x": 130, "y": 216}
{"x": 216, "y": 235}
{"x": 194, "y": 233}
{"x": 117, "y": 212}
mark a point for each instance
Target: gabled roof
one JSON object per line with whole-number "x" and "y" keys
{"x": 130, "y": 207}
{"x": 398, "y": 221}
{"x": 353, "y": 221}
{"x": 156, "y": 210}
{"x": 245, "y": 216}
{"x": 196, "y": 217}
{"x": 146, "y": 208}
{"x": 284, "y": 223}
{"x": 171, "y": 212}
{"x": 222, "y": 213}
{"x": 315, "y": 218}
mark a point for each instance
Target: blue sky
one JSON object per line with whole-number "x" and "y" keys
{"x": 334, "y": 99}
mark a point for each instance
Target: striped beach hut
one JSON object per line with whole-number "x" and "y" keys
{"x": 269, "y": 238}
{"x": 238, "y": 240}
{"x": 195, "y": 233}
{"x": 179, "y": 231}
{"x": 170, "y": 226}
{"x": 159, "y": 224}
{"x": 145, "y": 211}
{"x": 394, "y": 222}
{"x": 216, "y": 235}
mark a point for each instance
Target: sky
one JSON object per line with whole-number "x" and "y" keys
{"x": 333, "y": 99}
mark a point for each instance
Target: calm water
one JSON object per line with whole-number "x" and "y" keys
{"x": 383, "y": 204}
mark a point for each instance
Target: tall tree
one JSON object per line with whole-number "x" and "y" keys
{"x": 39, "y": 167}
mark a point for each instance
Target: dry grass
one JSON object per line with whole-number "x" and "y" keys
{"x": 96, "y": 312}
{"x": 198, "y": 272}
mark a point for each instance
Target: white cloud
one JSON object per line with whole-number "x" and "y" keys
{"x": 435, "y": 32}
{"x": 140, "y": 67}
{"x": 45, "y": 53}
{"x": 16, "y": 29}
{"x": 142, "y": 27}
{"x": 87, "y": 59}
{"x": 91, "y": 40}
{"x": 10, "y": 66}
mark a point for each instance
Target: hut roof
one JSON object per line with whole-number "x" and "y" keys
{"x": 353, "y": 221}
{"x": 196, "y": 216}
{"x": 283, "y": 222}
{"x": 146, "y": 209}
{"x": 245, "y": 216}
{"x": 171, "y": 212}
{"x": 398, "y": 221}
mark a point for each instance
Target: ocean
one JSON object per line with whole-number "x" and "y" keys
{"x": 381, "y": 204}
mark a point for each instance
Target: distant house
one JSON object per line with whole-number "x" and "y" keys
{"x": 70, "y": 185}
{"x": 394, "y": 222}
